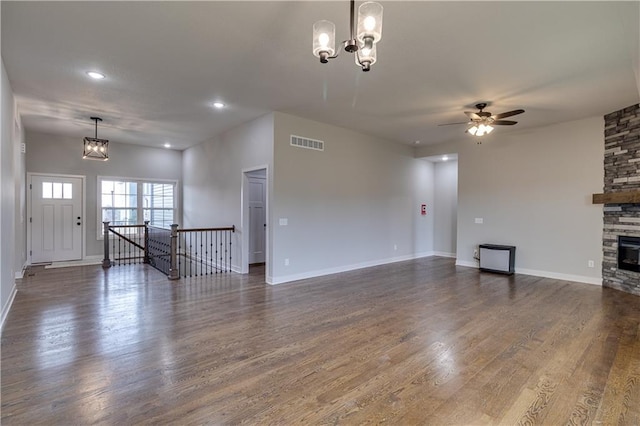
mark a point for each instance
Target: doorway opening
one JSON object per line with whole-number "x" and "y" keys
{"x": 255, "y": 235}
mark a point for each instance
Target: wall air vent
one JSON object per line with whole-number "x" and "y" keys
{"x": 307, "y": 143}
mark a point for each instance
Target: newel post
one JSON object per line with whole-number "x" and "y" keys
{"x": 106, "y": 262}
{"x": 146, "y": 241}
{"x": 174, "y": 273}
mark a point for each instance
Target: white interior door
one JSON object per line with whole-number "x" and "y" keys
{"x": 56, "y": 218}
{"x": 257, "y": 219}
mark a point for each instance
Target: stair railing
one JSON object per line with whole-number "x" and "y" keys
{"x": 175, "y": 252}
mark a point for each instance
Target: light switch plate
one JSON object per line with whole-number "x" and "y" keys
{"x": 284, "y": 221}
{"x": 479, "y": 220}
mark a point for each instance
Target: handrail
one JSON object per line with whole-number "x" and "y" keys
{"x": 126, "y": 226}
{"x": 229, "y": 228}
{"x": 126, "y": 238}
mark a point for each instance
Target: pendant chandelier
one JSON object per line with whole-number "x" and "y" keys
{"x": 94, "y": 148}
{"x": 363, "y": 37}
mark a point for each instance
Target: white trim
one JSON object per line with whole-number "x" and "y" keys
{"x": 28, "y": 188}
{"x": 7, "y": 306}
{"x": 559, "y": 276}
{"x": 466, "y": 263}
{"x": 444, "y": 254}
{"x": 544, "y": 274}
{"x": 20, "y": 274}
{"x": 321, "y": 272}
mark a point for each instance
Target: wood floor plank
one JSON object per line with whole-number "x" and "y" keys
{"x": 417, "y": 342}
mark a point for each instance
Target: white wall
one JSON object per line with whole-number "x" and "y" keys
{"x": 346, "y": 206}
{"x": 213, "y": 174}
{"x": 445, "y": 208}
{"x": 533, "y": 190}
{"x": 12, "y": 218}
{"x": 63, "y": 155}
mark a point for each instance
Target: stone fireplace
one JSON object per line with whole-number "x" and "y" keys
{"x": 621, "y": 200}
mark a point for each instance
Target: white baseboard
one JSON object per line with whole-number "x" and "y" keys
{"x": 543, "y": 274}
{"x": 345, "y": 268}
{"x": 466, "y": 263}
{"x": 444, "y": 254}
{"x": 20, "y": 274}
{"x": 7, "y": 306}
{"x": 559, "y": 276}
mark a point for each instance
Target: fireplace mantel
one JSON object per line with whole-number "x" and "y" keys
{"x": 624, "y": 197}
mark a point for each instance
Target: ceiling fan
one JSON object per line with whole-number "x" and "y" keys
{"x": 482, "y": 122}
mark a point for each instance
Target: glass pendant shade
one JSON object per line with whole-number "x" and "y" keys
{"x": 366, "y": 57}
{"x": 324, "y": 39}
{"x": 369, "y": 22}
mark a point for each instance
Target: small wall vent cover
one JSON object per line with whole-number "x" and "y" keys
{"x": 301, "y": 142}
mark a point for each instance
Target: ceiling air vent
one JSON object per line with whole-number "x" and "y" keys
{"x": 307, "y": 143}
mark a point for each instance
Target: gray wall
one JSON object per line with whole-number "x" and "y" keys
{"x": 533, "y": 190}
{"x": 348, "y": 206}
{"x": 12, "y": 216}
{"x": 213, "y": 174}
{"x": 445, "y": 208}
{"x": 63, "y": 155}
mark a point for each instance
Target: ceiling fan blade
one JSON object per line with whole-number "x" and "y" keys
{"x": 508, "y": 114}
{"x": 504, "y": 122}
{"x": 472, "y": 115}
{"x": 451, "y": 124}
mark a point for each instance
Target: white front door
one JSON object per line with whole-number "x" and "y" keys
{"x": 56, "y": 218}
{"x": 257, "y": 219}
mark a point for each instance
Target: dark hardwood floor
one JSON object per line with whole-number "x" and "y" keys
{"x": 418, "y": 342}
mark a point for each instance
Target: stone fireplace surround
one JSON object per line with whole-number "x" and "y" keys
{"x": 621, "y": 174}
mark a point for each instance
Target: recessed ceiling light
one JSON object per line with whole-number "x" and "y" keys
{"x": 167, "y": 145}
{"x": 416, "y": 143}
{"x": 95, "y": 75}
{"x": 218, "y": 105}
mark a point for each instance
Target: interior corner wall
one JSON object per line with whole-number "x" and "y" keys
{"x": 533, "y": 188}
{"x": 445, "y": 208}
{"x": 353, "y": 205}
{"x": 12, "y": 243}
{"x": 63, "y": 155}
{"x": 213, "y": 174}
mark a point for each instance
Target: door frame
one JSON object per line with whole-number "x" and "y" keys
{"x": 83, "y": 243}
{"x": 244, "y": 214}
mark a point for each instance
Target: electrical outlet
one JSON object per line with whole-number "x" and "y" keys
{"x": 591, "y": 264}
{"x": 286, "y": 262}
{"x": 395, "y": 247}
{"x": 475, "y": 254}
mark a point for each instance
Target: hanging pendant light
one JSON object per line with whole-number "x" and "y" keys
{"x": 362, "y": 41}
{"x": 94, "y": 148}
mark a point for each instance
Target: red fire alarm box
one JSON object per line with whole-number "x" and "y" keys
{"x": 423, "y": 209}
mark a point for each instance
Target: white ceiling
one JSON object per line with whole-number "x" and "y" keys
{"x": 166, "y": 62}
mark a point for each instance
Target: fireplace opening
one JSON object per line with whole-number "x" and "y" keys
{"x": 629, "y": 253}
